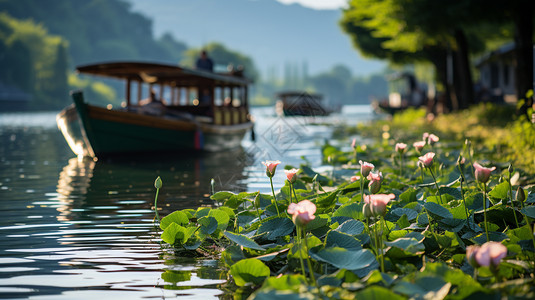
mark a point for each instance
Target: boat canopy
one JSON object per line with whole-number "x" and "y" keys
{"x": 155, "y": 73}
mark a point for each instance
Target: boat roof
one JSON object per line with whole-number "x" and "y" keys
{"x": 159, "y": 73}
{"x": 298, "y": 94}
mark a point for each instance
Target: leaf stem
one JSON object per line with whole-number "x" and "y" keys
{"x": 274, "y": 198}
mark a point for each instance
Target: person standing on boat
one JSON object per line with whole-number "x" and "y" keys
{"x": 204, "y": 62}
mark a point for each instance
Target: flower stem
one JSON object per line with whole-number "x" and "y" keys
{"x": 255, "y": 205}
{"x": 380, "y": 238}
{"x": 310, "y": 270}
{"x": 274, "y": 198}
{"x": 436, "y": 184}
{"x": 512, "y": 203}
{"x": 400, "y": 164}
{"x": 361, "y": 188}
{"x": 485, "y": 209}
{"x": 156, "y": 205}
{"x": 464, "y": 201}
{"x": 300, "y": 242}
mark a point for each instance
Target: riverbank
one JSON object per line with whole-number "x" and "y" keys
{"x": 494, "y": 131}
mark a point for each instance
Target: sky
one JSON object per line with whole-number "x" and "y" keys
{"x": 273, "y": 33}
{"x": 318, "y": 4}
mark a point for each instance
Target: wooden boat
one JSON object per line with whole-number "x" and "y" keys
{"x": 404, "y": 92}
{"x": 194, "y": 110}
{"x": 300, "y": 103}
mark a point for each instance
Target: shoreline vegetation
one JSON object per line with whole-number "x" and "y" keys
{"x": 416, "y": 207}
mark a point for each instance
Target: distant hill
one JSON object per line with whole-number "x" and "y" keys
{"x": 270, "y": 32}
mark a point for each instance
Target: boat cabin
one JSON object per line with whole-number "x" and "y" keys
{"x": 151, "y": 88}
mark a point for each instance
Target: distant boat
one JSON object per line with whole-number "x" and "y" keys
{"x": 301, "y": 103}
{"x": 404, "y": 92}
{"x": 194, "y": 110}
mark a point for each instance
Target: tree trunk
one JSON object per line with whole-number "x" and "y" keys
{"x": 442, "y": 101}
{"x": 524, "y": 52}
{"x": 465, "y": 90}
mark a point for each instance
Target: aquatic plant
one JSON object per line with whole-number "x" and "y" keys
{"x": 410, "y": 237}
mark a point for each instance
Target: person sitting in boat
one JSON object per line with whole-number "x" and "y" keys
{"x": 204, "y": 62}
{"x": 152, "y": 105}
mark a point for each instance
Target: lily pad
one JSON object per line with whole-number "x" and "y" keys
{"x": 242, "y": 240}
{"x": 249, "y": 271}
{"x": 343, "y": 258}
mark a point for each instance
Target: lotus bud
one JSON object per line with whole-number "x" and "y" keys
{"x": 520, "y": 195}
{"x": 158, "y": 183}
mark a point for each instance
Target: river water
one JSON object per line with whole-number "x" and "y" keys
{"x": 78, "y": 229}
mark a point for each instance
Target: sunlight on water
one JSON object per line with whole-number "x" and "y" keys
{"x": 79, "y": 229}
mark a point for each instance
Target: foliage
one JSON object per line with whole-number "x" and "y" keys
{"x": 422, "y": 238}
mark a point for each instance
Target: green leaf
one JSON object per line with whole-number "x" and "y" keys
{"x": 222, "y": 218}
{"x": 242, "y": 240}
{"x": 276, "y": 227}
{"x": 351, "y": 227}
{"x": 169, "y": 233}
{"x": 436, "y": 210}
{"x": 351, "y": 210}
{"x": 249, "y": 271}
{"x": 338, "y": 239}
{"x": 222, "y": 196}
{"x": 408, "y": 246}
{"x": 403, "y": 222}
{"x": 285, "y": 282}
{"x": 500, "y": 191}
{"x": 377, "y": 293}
{"x": 208, "y": 225}
{"x": 327, "y": 201}
{"x": 408, "y": 196}
{"x": 529, "y": 211}
{"x": 453, "y": 192}
{"x": 343, "y": 258}
{"x": 177, "y": 217}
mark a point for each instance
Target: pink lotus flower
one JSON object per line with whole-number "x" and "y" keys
{"x": 375, "y": 205}
{"x": 353, "y": 143}
{"x": 431, "y": 139}
{"x": 471, "y": 255}
{"x": 419, "y": 145}
{"x": 365, "y": 168}
{"x": 302, "y": 212}
{"x": 401, "y": 147}
{"x": 355, "y": 178}
{"x": 291, "y": 174}
{"x": 375, "y": 182}
{"x": 271, "y": 166}
{"x": 482, "y": 174}
{"x": 489, "y": 254}
{"x": 427, "y": 159}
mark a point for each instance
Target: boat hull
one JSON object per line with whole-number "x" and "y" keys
{"x": 94, "y": 131}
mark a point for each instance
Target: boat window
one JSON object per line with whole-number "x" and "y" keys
{"x": 227, "y": 98}
{"x": 193, "y": 97}
{"x": 237, "y": 96}
{"x": 218, "y": 96}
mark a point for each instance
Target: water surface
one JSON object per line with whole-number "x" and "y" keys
{"x": 79, "y": 229}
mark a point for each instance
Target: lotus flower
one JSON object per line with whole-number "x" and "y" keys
{"x": 375, "y": 205}
{"x": 419, "y": 145}
{"x": 401, "y": 147}
{"x": 271, "y": 166}
{"x": 365, "y": 168}
{"x": 291, "y": 174}
{"x": 375, "y": 182}
{"x": 489, "y": 254}
{"x": 427, "y": 159}
{"x": 482, "y": 174}
{"x": 355, "y": 178}
{"x": 302, "y": 212}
